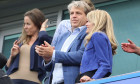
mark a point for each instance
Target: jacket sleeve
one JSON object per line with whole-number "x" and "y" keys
{"x": 102, "y": 54}
{"x": 57, "y": 34}
{"x": 43, "y": 36}
{"x": 48, "y": 67}
{"x": 60, "y": 30}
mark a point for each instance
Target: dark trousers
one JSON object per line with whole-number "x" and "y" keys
{"x": 21, "y": 81}
{"x": 5, "y": 80}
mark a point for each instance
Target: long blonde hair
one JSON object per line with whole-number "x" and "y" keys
{"x": 102, "y": 23}
{"x": 37, "y": 17}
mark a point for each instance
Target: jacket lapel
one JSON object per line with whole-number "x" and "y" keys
{"x": 80, "y": 36}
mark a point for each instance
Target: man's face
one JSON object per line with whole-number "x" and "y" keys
{"x": 77, "y": 17}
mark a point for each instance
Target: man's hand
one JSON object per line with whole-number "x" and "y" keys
{"x": 129, "y": 47}
{"x": 45, "y": 50}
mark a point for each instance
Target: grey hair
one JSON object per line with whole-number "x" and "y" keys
{"x": 80, "y": 4}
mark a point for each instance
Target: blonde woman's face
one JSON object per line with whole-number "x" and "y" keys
{"x": 89, "y": 26}
{"x": 29, "y": 27}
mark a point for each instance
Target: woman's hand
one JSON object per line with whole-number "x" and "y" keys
{"x": 85, "y": 79}
{"x": 44, "y": 25}
{"x": 14, "y": 49}
{"x": 14, "y": 52}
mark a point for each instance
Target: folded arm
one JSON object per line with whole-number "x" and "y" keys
{"x": 104, "y": 56}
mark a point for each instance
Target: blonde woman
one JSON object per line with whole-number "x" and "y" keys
{"x": 100, "y": 47}
{"x": 24, "y": 65}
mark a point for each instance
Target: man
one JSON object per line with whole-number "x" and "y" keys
{"x": 64, "y": 61}
{"x": 130, "y": 47}
{"x": 65, "y": 25}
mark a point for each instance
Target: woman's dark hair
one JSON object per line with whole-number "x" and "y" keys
{"x": 36, "y": 16}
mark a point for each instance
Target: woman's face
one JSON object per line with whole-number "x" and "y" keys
{"x": 29, "y": 27}
{"x": 89, "y": 26}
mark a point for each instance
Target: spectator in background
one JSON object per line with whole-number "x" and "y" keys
{"x": 100, "y": 47}
{"x": 130, "y": 47}
{"x": 3, "y": 60}
{"x": 89, "y": 2}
